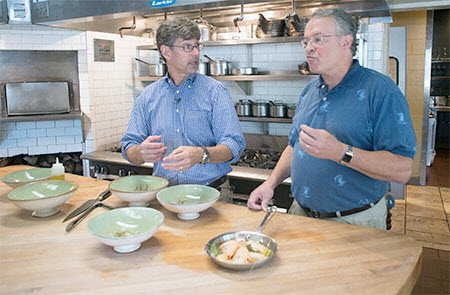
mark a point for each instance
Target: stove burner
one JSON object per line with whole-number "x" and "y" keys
{"x": 258, "y": 158}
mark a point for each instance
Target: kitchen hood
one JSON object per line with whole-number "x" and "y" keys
{"x": 140, "y": 16}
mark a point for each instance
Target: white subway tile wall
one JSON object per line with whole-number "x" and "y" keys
{"x": 39, "y": 137}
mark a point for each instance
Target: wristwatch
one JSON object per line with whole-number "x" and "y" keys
{"x": 205, "y": 157}
{"x": 347, "y": 156}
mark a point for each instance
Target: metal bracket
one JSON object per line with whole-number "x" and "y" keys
{"x": 246, "y": 86}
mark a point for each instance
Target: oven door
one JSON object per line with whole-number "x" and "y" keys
{"x": 32, "y": 98}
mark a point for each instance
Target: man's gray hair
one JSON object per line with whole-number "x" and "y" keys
{"x": 345, "y": 23}
{"x": 179, "y": 27}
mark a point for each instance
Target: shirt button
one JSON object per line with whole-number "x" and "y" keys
{"x": 323, "y": 86}
{"x": 178, "y": 130}
{"x": 178, "y": 91}
{"x": 189, "y": 86}
{"x": 324, "y": 99}
{"x": 177, "y": 110}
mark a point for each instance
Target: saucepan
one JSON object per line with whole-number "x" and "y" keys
{"x": 218, "y": 67}
{"x": 155, "y": 69}
{"x": 270, "y": 244}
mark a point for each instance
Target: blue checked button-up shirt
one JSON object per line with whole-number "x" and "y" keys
{"x": 199, "y": 112}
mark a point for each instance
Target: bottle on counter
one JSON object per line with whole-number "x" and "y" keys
{"x": 57, "y": 171}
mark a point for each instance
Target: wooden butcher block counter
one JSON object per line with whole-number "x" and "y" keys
{"x": 314, "y": 256}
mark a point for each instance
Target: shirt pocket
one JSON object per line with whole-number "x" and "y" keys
{"x": 197, "y": 126}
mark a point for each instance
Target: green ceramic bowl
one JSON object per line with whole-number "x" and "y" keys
{"x": 138, "y": 190}
{"x": 188, "y": 199}
{"x": 43, "y": 197}
{"x": 21, "y": 177}
{"x": 125, "y": 228}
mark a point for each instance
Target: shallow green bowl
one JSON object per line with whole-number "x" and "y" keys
{"x": 21, "y": 177}
{"x": 138, "y": 190}
{"x": 125, "y": 228}
{"x": 187, "y": 199}
{"x": 43, "y": 197}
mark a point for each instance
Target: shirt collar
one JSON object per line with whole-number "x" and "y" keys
{"x": 189, "y": 80}
{"x": 348, "y": 78}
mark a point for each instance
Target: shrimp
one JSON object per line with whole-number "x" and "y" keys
{"x": 229, "y": 248}
{"x": 242, "y": 256}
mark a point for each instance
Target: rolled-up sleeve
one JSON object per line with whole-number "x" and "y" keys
{"x": 138, "y": 127}
{"x": 225, "y": 123}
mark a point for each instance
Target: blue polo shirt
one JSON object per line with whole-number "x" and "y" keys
{"x": 365, "y": 110}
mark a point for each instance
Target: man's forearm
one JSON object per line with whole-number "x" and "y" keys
{"x": 219, "y": 154}
{"x": 382, "y": 165}
{"x": 282, "y": 170}
{"x": 134, "y": 155}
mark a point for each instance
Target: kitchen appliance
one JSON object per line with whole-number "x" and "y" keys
{"x": 33, "y": 98}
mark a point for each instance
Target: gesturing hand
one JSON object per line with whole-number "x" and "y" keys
{"x": 321, "y": 144}
{"x": 182, "y": 158}
{"x": 151, "y": 150}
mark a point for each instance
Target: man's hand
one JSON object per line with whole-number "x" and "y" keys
{"x": 259, "y": 198}
{"x": 182, "y": 158}
{"x": 152, "y": 151}
{"x": 321, "y": 144}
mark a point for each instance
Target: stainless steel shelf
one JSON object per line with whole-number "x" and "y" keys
{"x": 271, "y": 77}
{"x": 74, "y": 115}
{"x": 440, "y": 77}
{"x": 238, "y": 42}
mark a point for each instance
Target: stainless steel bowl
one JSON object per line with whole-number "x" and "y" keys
{"x": 240, "y": 236}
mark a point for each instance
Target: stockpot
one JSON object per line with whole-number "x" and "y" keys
{"x": 260, "y": 108}
{"x": 203, "y": 68}
{"x": 278, "y": 109}
{"x": 218, "y": 67}
{"x": 155, "y": 69}
{"x": 244, "y": 108}
{"x": 207, "y": 31}
{"x": 291, "y": 110}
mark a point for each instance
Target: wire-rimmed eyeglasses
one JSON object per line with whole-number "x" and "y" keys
{"x": 315, "y": 40}
{"x": 189, "y": 47}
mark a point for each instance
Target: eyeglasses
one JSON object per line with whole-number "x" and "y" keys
{"x": 315, "y": 40}
{"x": 189, "y": 47}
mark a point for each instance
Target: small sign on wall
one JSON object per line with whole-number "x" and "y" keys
{"x": 103, "y": 50}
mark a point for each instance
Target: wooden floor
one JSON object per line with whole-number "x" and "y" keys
{"x": 424, "y": 215}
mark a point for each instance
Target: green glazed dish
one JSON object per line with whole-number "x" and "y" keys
{"x": 187, "y": 200}
{"x": 42, "y": 190}
{"x": 138, "y": 183}
{"x": 44, "y": 197}
{"x": 17, "y": 178}
{"x": 125, "y": 228}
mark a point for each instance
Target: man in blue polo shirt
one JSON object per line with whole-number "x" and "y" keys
{"x": 351, "y": 135}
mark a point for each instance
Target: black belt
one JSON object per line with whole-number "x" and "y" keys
{"x": 218, "y": 182}
{"x": 317, "y": 214}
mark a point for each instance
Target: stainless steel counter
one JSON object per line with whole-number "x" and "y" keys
{"x": 237, "y": 172}
{"x": 441, "y": 108}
